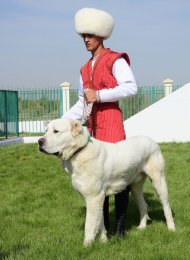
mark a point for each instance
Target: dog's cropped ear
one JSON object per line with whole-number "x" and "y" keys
{"x": 76, "y": 128}
{"x": 46, "y": 123}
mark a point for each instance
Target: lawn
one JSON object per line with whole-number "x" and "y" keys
{"x": 42, "y": 217}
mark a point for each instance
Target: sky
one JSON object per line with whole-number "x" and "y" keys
{"x": 40, "y": 48}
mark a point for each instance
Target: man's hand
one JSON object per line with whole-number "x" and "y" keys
{"x": 90, "y": 96}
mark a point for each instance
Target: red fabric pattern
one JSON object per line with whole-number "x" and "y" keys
{"x": 106, "y": 123}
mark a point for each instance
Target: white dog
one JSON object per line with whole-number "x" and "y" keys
{"x": 98, "y": 169}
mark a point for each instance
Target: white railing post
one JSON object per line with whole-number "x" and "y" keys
{"x": 168, "y": 84}
{"x": 65, "y": 86}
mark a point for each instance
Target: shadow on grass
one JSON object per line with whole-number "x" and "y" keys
{"x": 16, "y": 249}
{"x": 155, "y": 212}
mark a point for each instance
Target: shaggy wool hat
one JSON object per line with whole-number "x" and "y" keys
{"x": 94, "y": 21}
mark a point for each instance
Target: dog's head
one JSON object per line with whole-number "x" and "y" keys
{"x": 63, "y": 137}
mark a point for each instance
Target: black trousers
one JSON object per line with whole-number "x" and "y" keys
{"x": 121, "y": 204}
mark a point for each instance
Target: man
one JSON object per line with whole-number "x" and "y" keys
{"x": 104, "y": 80}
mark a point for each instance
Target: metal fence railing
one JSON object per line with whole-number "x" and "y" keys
{"x": 145, "y": 97}
{"x": 8, "y": 113}
{"x": 37, "y": 105}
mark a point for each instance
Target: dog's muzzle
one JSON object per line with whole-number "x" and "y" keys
{"x": 41, "y": 143}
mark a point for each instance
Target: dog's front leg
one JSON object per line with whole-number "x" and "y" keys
{"x": 94, "y": 218}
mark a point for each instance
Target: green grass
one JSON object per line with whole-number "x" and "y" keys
{"x": 42, "y": 217}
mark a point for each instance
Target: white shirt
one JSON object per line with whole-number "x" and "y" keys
{"x": 126, "y": 87}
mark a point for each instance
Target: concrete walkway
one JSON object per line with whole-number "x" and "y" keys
{"x": 168, "y": 120}
{"x": 19, "y": 140}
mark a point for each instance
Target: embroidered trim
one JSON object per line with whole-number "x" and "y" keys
{"x": 98, "y": 96}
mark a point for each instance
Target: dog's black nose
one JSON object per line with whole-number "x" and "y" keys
{"x": 41, "y": 141}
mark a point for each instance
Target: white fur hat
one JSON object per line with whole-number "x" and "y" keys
{"x": 94, "y": 21}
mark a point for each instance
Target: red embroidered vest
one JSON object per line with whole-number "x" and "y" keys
{"x": 106, "y": 122}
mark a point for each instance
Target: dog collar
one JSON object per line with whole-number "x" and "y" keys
{"x": 77, "y": 151}
{"x": 89, "y": 139}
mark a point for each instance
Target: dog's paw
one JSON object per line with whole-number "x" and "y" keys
{"x": 141, "y": 226}
{"x": 87, "y": 243}
{"x": 171, "y": 227}
{"x": 103, "y": 238}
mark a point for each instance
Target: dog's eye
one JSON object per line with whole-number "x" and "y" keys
{"x": 55, "y": 131}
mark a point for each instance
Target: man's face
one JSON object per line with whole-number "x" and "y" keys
{"x": 92, "y": 42}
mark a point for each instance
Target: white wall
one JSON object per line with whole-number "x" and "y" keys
{"x": 31, "y": 127}
{"x": 168, "y": 120}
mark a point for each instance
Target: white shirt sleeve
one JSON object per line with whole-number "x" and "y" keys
{"x": 126, "y": 83}
{"x": 76, "y": 111}
{"x": 126, "y": 87}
